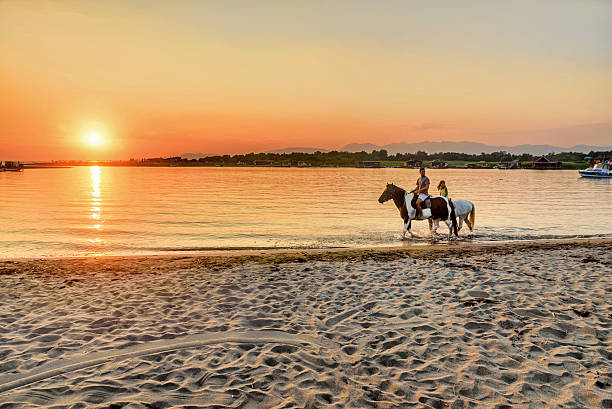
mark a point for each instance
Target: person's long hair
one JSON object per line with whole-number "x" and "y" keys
{"x": 440, "y": 184}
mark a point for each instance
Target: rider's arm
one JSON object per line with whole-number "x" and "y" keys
{"x": 416, "y": 189}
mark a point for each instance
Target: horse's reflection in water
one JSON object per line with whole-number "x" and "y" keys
{"x": 440, "y": 209}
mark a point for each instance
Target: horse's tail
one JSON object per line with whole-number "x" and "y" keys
{"x": 453, "y": 218}
{"x": 472, "y": 217}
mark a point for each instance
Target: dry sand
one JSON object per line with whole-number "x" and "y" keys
{"x": 512, "y": 325}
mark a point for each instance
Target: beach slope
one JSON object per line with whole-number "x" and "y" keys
{"x": 511, "y": 325}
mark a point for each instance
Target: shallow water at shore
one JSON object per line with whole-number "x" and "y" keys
{"x": 121, "y": 211}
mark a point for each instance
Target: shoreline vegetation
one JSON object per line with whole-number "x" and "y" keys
{"x": 374, "y": 159}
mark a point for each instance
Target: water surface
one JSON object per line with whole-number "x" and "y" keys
{"x": 133, "y": 210}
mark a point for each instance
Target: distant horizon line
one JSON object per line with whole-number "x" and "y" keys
{"x": 315, "y": 149}
{"x": 322, "y": 150}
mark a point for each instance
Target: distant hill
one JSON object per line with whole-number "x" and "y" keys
{"x": 468, "y": 147}
{"x": 298, "y": 150}
{"x": 197, "y": 155}
{"x": 358, "y": 147}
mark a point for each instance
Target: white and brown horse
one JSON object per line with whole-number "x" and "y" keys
{"x": 465, "y": 212}
{"x": 441, "y": 209}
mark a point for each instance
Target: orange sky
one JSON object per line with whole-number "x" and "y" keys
{"x": 163, "y": 78}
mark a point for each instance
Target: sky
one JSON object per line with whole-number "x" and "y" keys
{"x": 160, "y": 78}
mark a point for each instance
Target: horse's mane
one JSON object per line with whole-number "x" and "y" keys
{"x": 399, "y": 196}
{"x": 400, "y": 189}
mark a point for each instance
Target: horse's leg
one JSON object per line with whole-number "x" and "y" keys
{"x": 436, "y": 225}
{"x": 469, "y": 225}
{"x": 430, "y": 224}
{"x": 449, "y": 223}
{"x": 409, "y": 224}
{"x": 405, "y": 230}
{"x": 460, "y": 223}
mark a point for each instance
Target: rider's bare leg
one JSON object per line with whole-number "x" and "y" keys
{"x": 418, "y": 205}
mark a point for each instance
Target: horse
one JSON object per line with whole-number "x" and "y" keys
{"x": 465, "y": 211}
{"x": 441, "y": 209}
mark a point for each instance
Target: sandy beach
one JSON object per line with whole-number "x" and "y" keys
{"x": 506, "y": 325}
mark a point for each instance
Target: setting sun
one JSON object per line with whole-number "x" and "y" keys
{"x": 94, "y": 139}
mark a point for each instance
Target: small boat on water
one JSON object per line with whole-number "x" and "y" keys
{"x": 10, "y": 166}
{"x": 598, "y": 170}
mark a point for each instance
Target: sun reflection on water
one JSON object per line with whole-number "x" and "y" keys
{"x": 95, "y": 208}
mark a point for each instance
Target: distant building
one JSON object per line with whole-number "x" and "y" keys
{"x": 263, "y": 162}
{"x": 438, "y": 164}
{"x": 592, "y": 161}
{"x": 370, "y": 164}
{"x": 542, "y": 162}
{"x": 14, "y": 166}
{"x": 413, "y": 164}
{"x": 509, "y": 164}
{"x": 272, "y": 163}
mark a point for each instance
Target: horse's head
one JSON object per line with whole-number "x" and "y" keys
{"x": 388, "y": 193}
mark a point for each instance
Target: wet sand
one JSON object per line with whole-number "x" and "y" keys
{"x": 504, "y": 325}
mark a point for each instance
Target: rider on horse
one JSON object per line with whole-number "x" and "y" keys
{"x": 421, "y": 190}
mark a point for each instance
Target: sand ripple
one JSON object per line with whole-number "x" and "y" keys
{"x": 524, "y": 330}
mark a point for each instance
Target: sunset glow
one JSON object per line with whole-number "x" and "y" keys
{"x": 239, "y": 77}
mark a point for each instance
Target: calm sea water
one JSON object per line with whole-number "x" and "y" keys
{"x": 117, "y": 211}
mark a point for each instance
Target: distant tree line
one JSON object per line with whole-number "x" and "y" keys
{"x": 337, "y": 158}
